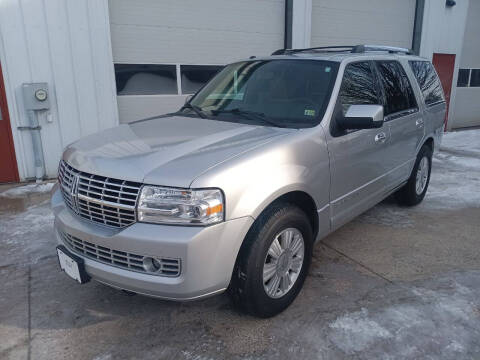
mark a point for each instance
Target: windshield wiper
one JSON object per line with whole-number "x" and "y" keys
{"x": 251, "y": 115}
{"x": 197, "y": 109}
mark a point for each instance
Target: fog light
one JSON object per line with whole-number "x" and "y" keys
{"x": 151, "y": 264}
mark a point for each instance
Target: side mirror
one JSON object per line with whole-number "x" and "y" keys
{"x": 362, "y": 117}
{"x": 188, "y": 98}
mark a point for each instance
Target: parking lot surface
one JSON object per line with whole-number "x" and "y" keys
{"x": 396, "y": 283}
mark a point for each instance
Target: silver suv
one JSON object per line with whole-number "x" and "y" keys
{"x": 234, "y": 189}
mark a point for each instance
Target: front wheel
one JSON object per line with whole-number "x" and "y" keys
{"x": 413, "y": 192}
{"x": 273, "y": 262}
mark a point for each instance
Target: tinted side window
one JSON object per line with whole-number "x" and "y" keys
{"x": 428, "y": 81}
{"x": 398, "y": 91}
{"x": 358, "y": 86}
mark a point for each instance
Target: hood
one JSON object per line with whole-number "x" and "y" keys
{"x": 170, "y": 151}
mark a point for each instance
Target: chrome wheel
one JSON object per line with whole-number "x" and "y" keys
{"x": 422, "y": 175}
{"x": 283, "y": 262}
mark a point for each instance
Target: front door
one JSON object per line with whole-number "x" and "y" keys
{"x": 358, "y": 161}
{"x": 445, "y": 65}
{"x": 8, "y": 162}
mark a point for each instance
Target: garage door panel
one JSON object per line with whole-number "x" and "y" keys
{"x": 345, "y": 22}
{"x": 134, "y": 44}
{"x": 133, "y": 108}
{"x": 187, "y": 31}
{"x": 199, "y": 15}
{"x": 368, "y": 6}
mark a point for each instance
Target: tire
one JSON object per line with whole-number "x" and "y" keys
{"x": 247, "y": 288}
{"x": 412, "y": 193}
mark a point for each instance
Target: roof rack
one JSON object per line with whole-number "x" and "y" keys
{"x": 356, "y": 49}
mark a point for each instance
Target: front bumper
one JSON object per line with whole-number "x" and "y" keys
{"x": 207, "y": 254}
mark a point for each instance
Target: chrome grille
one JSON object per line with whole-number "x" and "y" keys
{"x": 98, "y": 198}
{"x": 167, "y": 266}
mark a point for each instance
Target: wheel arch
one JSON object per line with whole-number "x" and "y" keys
{"x": 430, "y": 142}
{"x": 300, "y": 198}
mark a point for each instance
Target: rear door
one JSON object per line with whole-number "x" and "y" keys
{"x": 357, "y": 158}
{"x": 432, "y": 94}
{"x": 402, "y": 117}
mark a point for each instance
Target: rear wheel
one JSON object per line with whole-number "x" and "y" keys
{"x": 413, "y": 192}
{"x": 273, "y": 262}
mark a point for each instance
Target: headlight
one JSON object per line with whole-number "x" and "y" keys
{"x": 180, "y": 206}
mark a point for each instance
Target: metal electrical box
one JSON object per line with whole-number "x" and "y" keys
{"x": 36, "y": 96}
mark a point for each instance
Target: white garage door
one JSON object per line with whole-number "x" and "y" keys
{"x": 351, "y": 22}
{"x": 165, "y": 49}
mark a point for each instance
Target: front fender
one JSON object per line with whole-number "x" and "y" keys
{"x": 253, "y": 181}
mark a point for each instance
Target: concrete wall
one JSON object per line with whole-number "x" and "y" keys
{"x": 67, "y": 45}
{"x": 351, "y": 22}
{"x": 443, "y": 30}
{"x": 466, "y": 111}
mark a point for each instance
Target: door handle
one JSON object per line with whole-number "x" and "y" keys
{"x": 419, "y": 122}
{"x": 380, "y": 137}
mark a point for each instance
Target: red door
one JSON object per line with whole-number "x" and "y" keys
{"x": 445, "y": 64}
{"x": 8, "y": 162}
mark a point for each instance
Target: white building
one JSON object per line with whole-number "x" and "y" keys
{"x": 110, "y": 62}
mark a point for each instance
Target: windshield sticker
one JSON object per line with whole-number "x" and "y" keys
{"x": 309, "y": 112}
{"x": 328, "y": 68}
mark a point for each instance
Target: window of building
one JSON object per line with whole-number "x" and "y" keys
{"x": 195, "y": 76}
{"x": 143, "y": 79}
{"x": 463, "y": 77}
{"x": 358, "y": 86}
{"x": 428, "y": 81}
{"x": 475, "y": 78}
{"x": 398, "y": 91}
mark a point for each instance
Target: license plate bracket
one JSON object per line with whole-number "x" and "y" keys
{"x": 72, "y": 265}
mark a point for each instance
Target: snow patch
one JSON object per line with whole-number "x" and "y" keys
{"x": 34, "y": 220}
{"x": 25, "y": 190}
{"x": 455, "y": 179}
{"x": 466, "y": 140}
{"x": 355, "y": 332}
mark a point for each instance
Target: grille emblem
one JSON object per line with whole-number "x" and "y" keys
{"x": 74, "y": 192}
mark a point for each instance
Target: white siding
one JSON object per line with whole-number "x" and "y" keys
{"x": 67, "y": 45}
{"x": 208, "y": 32}
{"x": 466, "y": 109}
{"x": 442, "y": 32}
{"x": 351, "y": 22}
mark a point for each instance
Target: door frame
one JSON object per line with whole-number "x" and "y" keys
{"x": 6, "y": 118}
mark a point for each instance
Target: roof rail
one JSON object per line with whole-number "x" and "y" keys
{"x": 390, "y": 49}
{"x": 356, "y": 49}
{"x": 326, "y": 48}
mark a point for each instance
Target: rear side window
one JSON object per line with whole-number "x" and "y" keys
{"x": 398, "y": 91}
{"x": 428, "y": 81}
{"x": 358, "y": 86}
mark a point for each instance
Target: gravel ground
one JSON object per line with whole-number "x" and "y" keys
{"x": 395, "y": 283}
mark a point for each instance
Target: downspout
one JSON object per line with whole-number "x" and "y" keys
{"x": 287, "y": 40}
{"x": 37, "y": 145}
{"x": 417, "y": 26}
{"x": 35, "y": 100}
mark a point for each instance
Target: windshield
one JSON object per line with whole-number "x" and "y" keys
{"x": 284, "y": 93}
